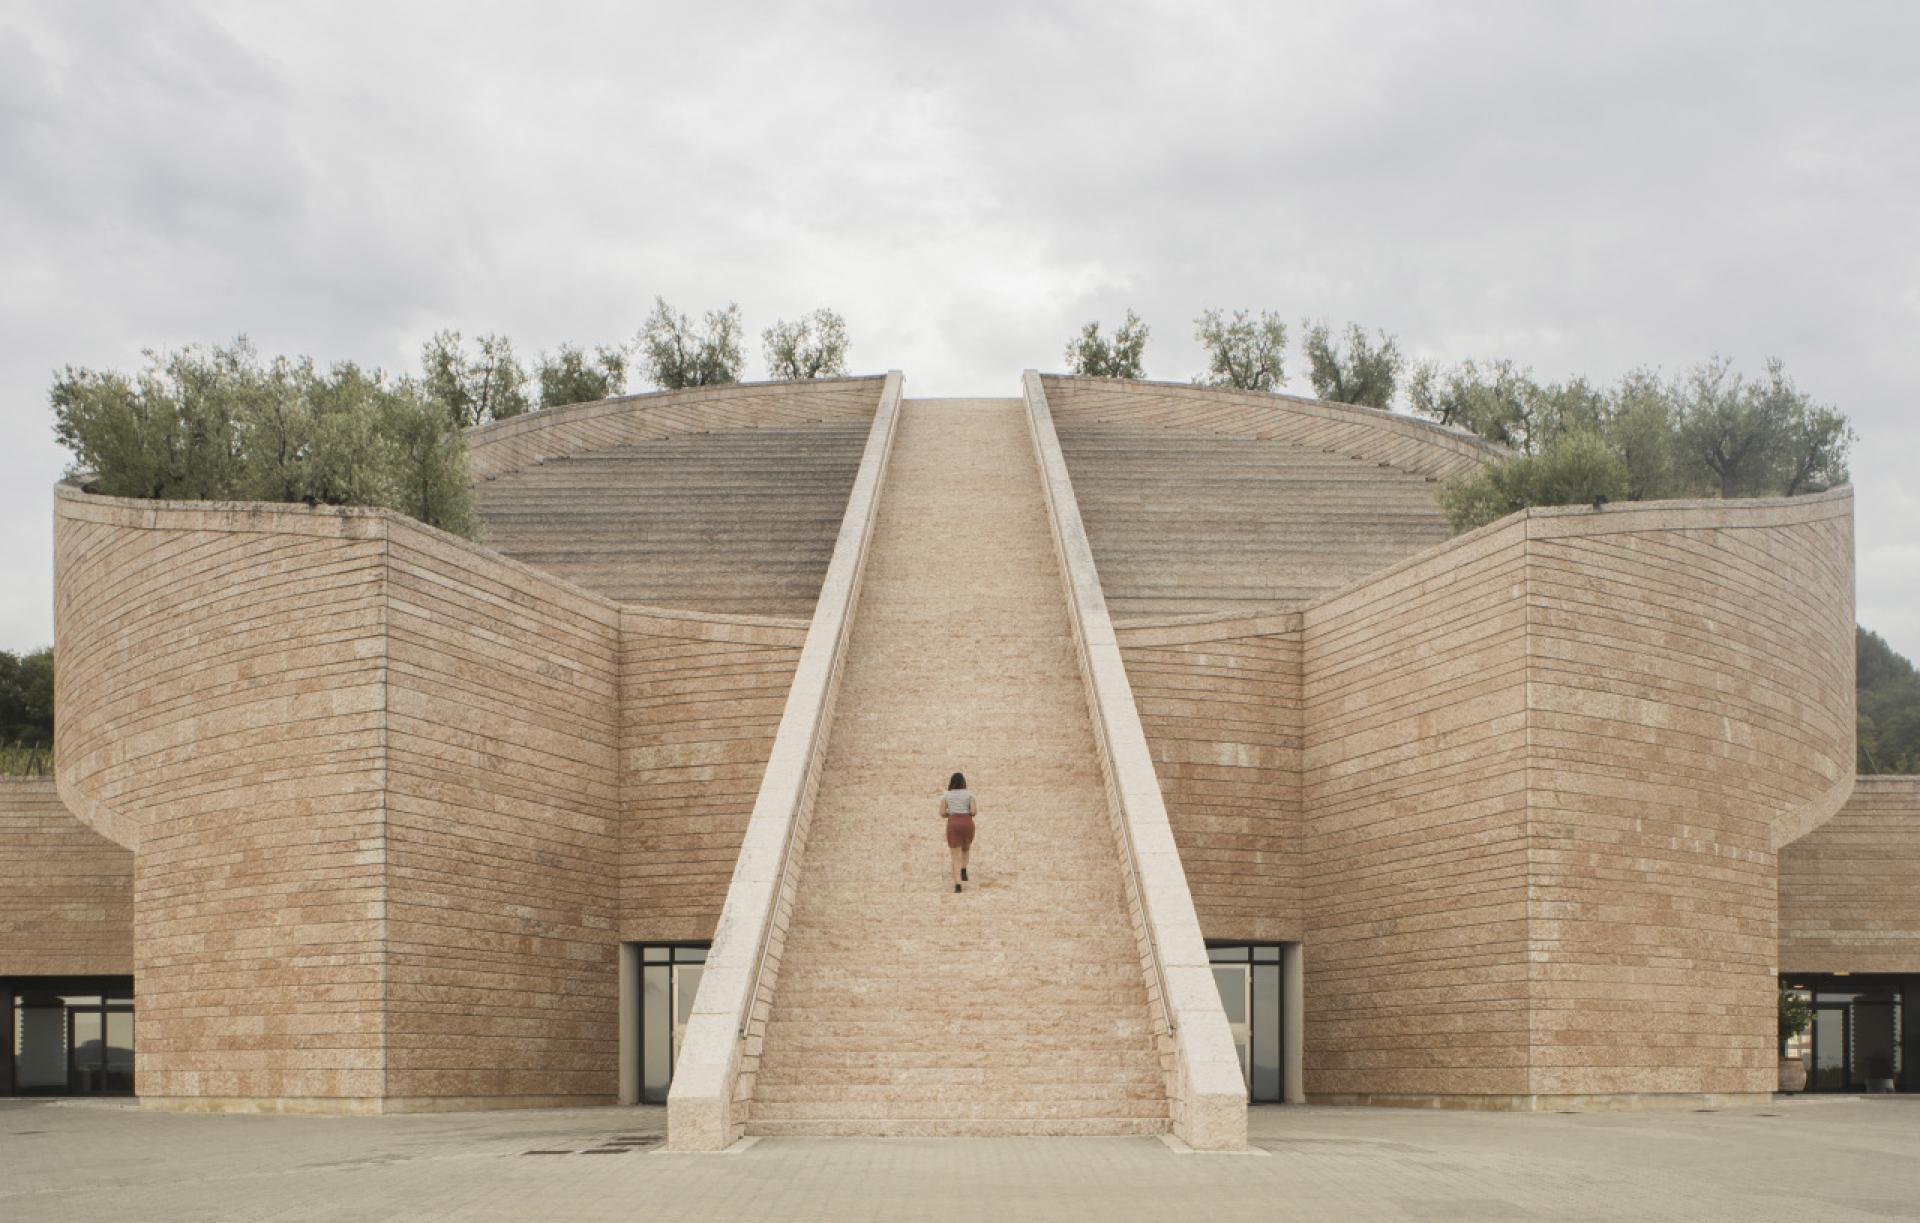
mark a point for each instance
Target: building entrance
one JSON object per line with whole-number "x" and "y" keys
{"x": 669, "y": 979}
{"x": 1248, "y": 976}
{"x": 1863, "y": 1037}
{"x": 67, "y": 1036}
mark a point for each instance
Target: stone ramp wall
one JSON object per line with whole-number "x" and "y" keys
{"x": 1850, "y": 889}
{"x": 66, "y": 892}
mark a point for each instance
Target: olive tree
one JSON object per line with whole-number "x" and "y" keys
{"x": 1097, "y": 356}
{"x": 812, "y": 346}
{"x": 676, "y": 355}
{"x": 1242, "y": 352}
{"x": 571, "y": 376}
{"x": 473, "y": 386}
{"x": 1366, "y": 373}
{"x": 218, "y": 423}
{"x": 1577, "y": 467}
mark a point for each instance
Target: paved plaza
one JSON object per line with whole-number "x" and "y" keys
{"x": 1806, "y": 1160}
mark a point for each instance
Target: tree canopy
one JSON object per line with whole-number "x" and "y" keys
{"x": 676, "y": 354}
{"x": 26, "y": 712}
{"x": 218, "y": 423}
{"x": 1242, "y": 352}
{"x": 473, "y": 385}
{"x": 812, "y": 346}
{"x": 1707, "y": 433}
{"x": 1096, "y": 356}
{"x": 1367, "y": 373}
{"x": 571, "y": 376}
{"x": 1889, "y": 707}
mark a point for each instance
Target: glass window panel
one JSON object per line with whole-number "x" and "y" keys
{"x": 81, "y": 999}
{"x": 1266, "y": 1033}
{"x": 1873, "y": 1045}
{"x": 1269, "y": 954}
{"x": 119, "y": 1051}
{"x": 40, "y": 1048}
{"x": 1227, "y": 955}
{"x": 656, "y": 1023}
{"x": 1232, "y": 982}
{"x": 89, "y": 1051}
{"x": 656, "y": 955}
{"x": 1829, "y": 1070}
{"x": 690, "y": 955}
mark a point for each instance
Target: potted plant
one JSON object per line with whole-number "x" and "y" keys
{"x": 1795, "y": 1014}
{"x": 1879, "y": 1073}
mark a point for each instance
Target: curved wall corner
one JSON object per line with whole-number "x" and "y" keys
{"x": 369, "y": 773}
{"x": 1546, "y": 767}
{"x": 1405, "y": 442}
{"x": 66, "y": 892}
{"x": 1850, "y": 889}
{"x": 508, "y": 445}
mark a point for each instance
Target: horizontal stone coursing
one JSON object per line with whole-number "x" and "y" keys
{"x": 66, "y": 892}
{"x": 1850, "y": 889}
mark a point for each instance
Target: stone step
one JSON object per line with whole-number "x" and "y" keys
{"x": 952, "y": 1106}
{"x": 971, "y": 1127}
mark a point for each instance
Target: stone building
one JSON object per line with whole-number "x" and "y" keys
{"x": 1285, "y": 794}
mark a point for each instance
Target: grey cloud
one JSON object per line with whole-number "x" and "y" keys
{"x": 1585, "y": 188}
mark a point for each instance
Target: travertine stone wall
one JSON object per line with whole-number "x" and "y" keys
{"x": 502, "y": 828}
{"x": 521, "y": 441}
{"x": 221, "y": 677}
{"x": 1546, "y": 767}
{"x": 1850, "y": 889}
{"x": 1691, "y": 702}
{"x": 701, "y": 700}
{"x": 1415, "y": 775}
{"x": 66, "y": 892}
{"x": 1220, "y": 702}
{"x": 365, "y": 768}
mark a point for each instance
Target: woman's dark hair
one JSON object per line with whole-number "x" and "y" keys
{"x": 957, "y": 782}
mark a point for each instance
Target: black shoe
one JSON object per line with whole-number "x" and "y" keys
{"x": 963, "y": 874}
{"x": 956, "y": 887}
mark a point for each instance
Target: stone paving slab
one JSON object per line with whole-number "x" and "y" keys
{"x": 1824, "y": 1160}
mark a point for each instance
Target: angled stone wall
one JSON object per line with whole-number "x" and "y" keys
{"x": 1850, "y": 889}
{"x": 1220, "y": 703}
{"x": 1547, "y": 766}
{"x": 66, "y": 892}
{"x": 369, "y": 772}
{"x": 502, "y": 827}
{"x": 701, "y": 699}
{"x": 1416, "y": 868}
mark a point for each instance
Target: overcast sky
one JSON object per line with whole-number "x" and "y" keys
{"x": 1584, "y": 189}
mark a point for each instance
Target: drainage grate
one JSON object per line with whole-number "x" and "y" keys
{"x": 546, "y": 1152}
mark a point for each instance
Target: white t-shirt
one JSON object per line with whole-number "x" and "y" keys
{"x": 959, "y": 802}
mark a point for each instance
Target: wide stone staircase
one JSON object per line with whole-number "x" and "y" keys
{"x": 742, "y": 520}
{"x": 1017, "y": 1007}
{"x": 1187, "y": 521}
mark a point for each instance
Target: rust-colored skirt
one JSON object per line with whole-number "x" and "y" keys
{"x": 959, "y": 832}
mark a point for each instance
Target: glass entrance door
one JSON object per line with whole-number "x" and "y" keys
{"x": 669, "y": 979}
{"x": 1248, "y": 978}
